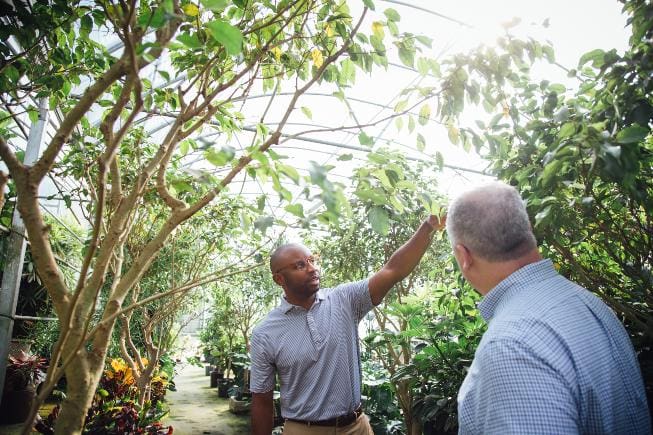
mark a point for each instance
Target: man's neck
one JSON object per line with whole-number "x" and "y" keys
{"x": 498, "y": 271}
{"x": 305, "y": 303}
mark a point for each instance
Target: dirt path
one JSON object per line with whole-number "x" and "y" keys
{"x": 196, "y": 409}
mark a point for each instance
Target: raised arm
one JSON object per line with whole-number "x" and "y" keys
{"x": 262, "y": 413}
{"x": 403, "y": 260}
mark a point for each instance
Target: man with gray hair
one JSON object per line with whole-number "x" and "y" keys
{"x": 554, "y": 359}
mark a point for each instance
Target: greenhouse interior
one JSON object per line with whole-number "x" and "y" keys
{"x": 238, "y": 216}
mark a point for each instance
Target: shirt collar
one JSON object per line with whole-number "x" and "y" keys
{"x": 501, "y": 292}
{"x": 286, "y": 306}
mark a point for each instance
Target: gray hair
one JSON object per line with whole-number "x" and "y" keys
{"x": 491, "y": 221}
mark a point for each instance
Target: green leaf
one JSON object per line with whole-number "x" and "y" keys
{"x": 550, "y": 172}
{"x": 383, "y": 178}
{"x": 392, "y": 14}
{"x": 306, "y": 111}
{"x": 407, "y": 56}
{"x": 567, "y": 129}
{"x": 183, "y": 148}
{"x": 439, "y": 159}
{"x": 220, "y": 158}
{"x": 396, "y": 204}
{"x": 86, "y": 25}
{"x": 595, "y": 56}
{"x": 364, "y": 139}
{"x": 425, "y": 40}
{"x": 392, "y": 27}
{"x": 424, "y": 114}
{"x": 558, "y": 88}
{"x": 345, "y": 157}
{"x": 347, "y": 72}
{"x": 227, "y": 35}
{"x": 369, "y": 4}
{"x": 453, "y": 133}
{"x": 158, "y": 18}
{"x": 296, "y": 209}
{"x": 12, "y": 73}
{"x": 215, "y": 5}
{"x": 421, "y": 143}
{"x": 377, "y": 158}
{"x": 289, "y": 171}
{"x": 423, "y": 66}
{"x": 190, "y": 41}
{"x": 33, "y": 114}
{"x": 633, "y": 134}
{"x": 379, "y": 220}
{"x": 399, "y": 123}
{"x": 401, "y": 106}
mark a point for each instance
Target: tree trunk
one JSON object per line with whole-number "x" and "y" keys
{"x": 82, "y": 379}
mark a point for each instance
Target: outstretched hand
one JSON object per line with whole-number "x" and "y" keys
{"x": 437, "y": 222}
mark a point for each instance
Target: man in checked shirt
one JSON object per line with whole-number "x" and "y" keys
{"x": 554, "y": 359}
{"x": 311, "y": 341}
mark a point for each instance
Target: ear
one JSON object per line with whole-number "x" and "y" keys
{"x": 279, "y": 279}
{"x": 463, "y": 256}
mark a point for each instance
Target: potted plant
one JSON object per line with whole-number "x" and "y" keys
{"x": 24, "y": 373}
{"x": 239, "y": 400}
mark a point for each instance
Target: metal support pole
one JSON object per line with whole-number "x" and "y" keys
{"x": 16, "y": 249}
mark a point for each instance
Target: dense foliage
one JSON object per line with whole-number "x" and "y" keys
{"x": 583, "y": 161}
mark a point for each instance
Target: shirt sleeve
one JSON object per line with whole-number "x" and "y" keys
{"x": 511, "y": 390}
{"x": 262, "y": 367}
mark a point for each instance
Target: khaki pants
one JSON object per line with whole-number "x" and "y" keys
{"x": 360, "y": 427}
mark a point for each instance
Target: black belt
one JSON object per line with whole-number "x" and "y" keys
{"x": 339, "y": 421}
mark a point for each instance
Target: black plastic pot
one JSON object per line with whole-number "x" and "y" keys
{"x": 215, "y": 376}
{"x": 223, "y": 388}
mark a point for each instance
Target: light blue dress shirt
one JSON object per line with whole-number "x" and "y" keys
{"x": 554, "y": 360}
{"x": 315, "y": 353}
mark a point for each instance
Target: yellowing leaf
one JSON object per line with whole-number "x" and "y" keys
{"x": 377, "y": 29}
{"x": 191, "y": 10}
{"x": 276, "y": 51}
{"x": 316, "y": 55}
{"x": 454, "y": 134}
{"x": 329, "y": 30}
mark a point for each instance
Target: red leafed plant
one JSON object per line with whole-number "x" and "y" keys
{"x": 24, "y": 371}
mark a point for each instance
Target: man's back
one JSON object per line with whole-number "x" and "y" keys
{"x": 555, "y": 359}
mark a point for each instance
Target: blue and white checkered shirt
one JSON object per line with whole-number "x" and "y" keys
{"x": 315, "y": 352}
{"x": 554, "y": 360}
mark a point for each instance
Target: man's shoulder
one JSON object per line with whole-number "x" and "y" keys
{"x": 269, "y": 323}
{"x": 346, "y": 287}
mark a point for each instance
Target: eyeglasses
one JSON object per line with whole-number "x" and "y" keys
{"x": 301, "y": 264}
